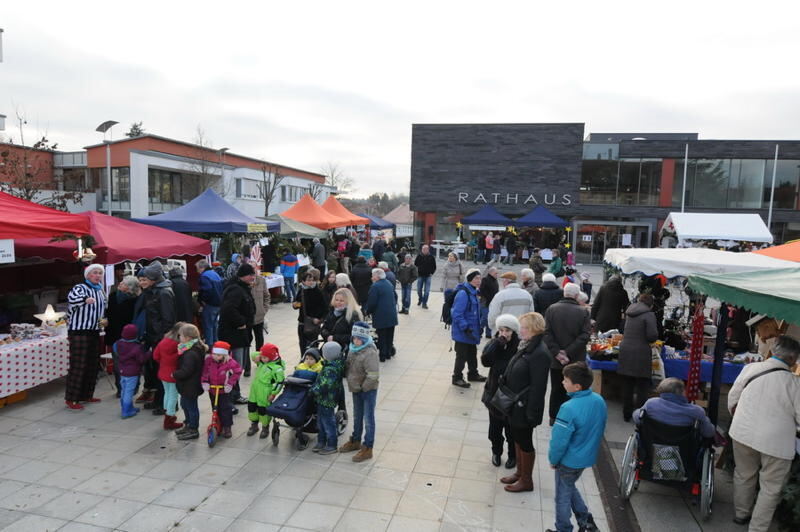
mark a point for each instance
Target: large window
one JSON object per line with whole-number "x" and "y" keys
{"x": 746, "y": 184}
{"x": 622, "y": 182}
{"x": 599, "y": 182}
{"x": 169, "y": 189}
{"x": 711, "y": 181}
{"x": 786, "y": 180}
{"x": 120, "y": 183}
{"x": 291, "y": 193}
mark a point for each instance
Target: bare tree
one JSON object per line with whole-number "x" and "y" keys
{"x": 335, "y": 177}
{"x": 207, "y": 163}
{"x": 315, "y": 190}
{"x": 28, "y": 174}
{"x": 271, "y": 179}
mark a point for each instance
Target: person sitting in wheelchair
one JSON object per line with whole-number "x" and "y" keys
{"x": 672, "y": 408}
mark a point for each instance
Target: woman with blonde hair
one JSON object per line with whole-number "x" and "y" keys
{"x": 338, "y": 324}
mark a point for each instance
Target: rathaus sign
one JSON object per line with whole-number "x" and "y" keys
{"x": 497, "y": 198}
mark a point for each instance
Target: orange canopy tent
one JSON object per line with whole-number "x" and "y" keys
{"x": 310, "y": 212}
{"x": 333, "y": 206}
{"x": 790, "y": 251}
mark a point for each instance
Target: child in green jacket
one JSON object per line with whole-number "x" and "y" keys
{"x": 327, "y": 390}
{"x": 266, "y": 384}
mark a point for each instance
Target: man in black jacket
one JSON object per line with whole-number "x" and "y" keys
{"x": 361, "y": 277}
{"x": 487, "y": 291}
{"x": 426, "y": 267}
{"x": 547, "y": 294}
{"x": 236, "y": 318}
{"x": 184, "y": 307}
{"x": 567, "y": 332}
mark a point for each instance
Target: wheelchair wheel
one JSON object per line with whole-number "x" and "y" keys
{"x": 707, "y": 484}
{"x": 627, "y": 473}
{"x": 341, "y": 421}
{"x": 276, "y": 434}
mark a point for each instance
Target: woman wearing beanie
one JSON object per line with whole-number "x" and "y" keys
{"x": 496, "y": 355}
{"x": 362, "y": 380}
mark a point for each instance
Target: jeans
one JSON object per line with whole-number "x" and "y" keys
{"x": 487, "y": 255}
{"x": 479, "y": 255}
{"x": 364, "y": 415}
{"x": 569, "y": 500}
{"x": 210, "y": 317}
{"x": 288, "y": 284}
{"x": 327, "y": 436}
{"x": 424, "y": 288}
{"x": 485, "y": 321}
{"x": 128, "y": 387}
{"x": 238, "y": 354}
{"x": 191, "y": 411}
{"x": 406, "y": 292}
{"x": 170, "y": 397}
{"x": 385, "y": 342}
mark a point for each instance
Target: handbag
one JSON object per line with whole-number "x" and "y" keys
{"x": 504, "y": 399}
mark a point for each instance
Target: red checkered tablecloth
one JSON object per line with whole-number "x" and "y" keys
{"x": 27, "y": 364}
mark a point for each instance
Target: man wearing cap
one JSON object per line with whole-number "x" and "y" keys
{"x": 236, "y": 319}
{"x": 466, "y": 329}
{"x": 512, "y": 299}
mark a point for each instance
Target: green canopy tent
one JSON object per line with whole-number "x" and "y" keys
{"x": 292, "y": 228}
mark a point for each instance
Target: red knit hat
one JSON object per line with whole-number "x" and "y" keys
{"x": 221, "y": 348}
{"x": 270, "y": 352}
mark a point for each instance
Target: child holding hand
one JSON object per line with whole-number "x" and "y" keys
{"x": 266, "y": 384}
{"x": 220, "y": 369}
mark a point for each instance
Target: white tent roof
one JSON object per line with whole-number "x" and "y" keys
{"x": 681, "y": 262}
{"x": 717, "y": 226}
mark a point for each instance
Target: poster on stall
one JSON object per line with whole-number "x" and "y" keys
{"x": 302, "y": 260}
{"x": 6, "y": 251}
{"x": 626, "y": 239}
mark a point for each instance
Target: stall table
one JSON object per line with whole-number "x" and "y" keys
{"x": 26, "y": 364}
{"x": 675, "y": 367}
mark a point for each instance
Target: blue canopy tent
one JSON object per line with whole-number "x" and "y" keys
{"x": 209, "y": 213}
{"x": 540, "y": 217}
{"x": 377, "y": 223}
{"x": 488, "y": 215}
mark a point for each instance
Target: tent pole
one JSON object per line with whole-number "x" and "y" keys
{"x": 719, "y": 354}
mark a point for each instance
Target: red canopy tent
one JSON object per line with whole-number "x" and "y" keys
{"x": 117, "y": 240}
{"x": 23, "y": 219}
{"x": 333, "y": 206}
{"x": 309, "y": 212}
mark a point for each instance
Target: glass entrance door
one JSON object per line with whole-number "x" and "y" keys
{"x": 592, "y": 240}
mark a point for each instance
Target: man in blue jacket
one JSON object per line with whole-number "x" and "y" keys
{"x": 574, "y": 442}
{"x": 466, "y": 329}
{"x": 382, "y": 306}
{"x": 210, "y": 298}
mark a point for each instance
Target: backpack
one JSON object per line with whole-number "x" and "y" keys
{"x": 447, "y": 307}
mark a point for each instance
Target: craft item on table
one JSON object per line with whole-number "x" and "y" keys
{"x": 695, "y": 355}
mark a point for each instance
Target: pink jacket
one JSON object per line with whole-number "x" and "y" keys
{"x": 215, "y": 373}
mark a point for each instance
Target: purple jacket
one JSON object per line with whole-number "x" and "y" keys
{"x": 130, "y": 354}
{"x": 672, "y": 409}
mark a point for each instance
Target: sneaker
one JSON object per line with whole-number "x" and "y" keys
{"x": 91, "y": 400}
{"x": 476, "y": 378}
{"x": 182, "y": 429}
{"x": 330, "y": 450}
{"x": 72, "y": 405}
{"x": 241, "y": 401}
{"x": 350, "y": 446}
{"x": 460, "y": 383}
{"x": 364, "y": 454}
{"x": 425, "y": 305}
{"x": 190, "y": 434}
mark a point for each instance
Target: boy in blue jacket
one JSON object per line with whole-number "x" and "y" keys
{"x": 289, "y": 267}
{"x": 574, "y": 442}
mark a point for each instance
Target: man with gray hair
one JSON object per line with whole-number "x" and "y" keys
{"x": 567, "y": 331}
{"x": 381, "y": 304}
{"x": 672, "y": 408}
{"x": 512, "y": 299}
{"x": 766, "y": 401}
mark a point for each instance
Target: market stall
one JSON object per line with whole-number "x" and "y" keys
{"x": 722, "y": 230}
{"x": 290, "y": 228}
{"x": 309, "y": 212}
{"x": 23, "y": 219}
{"x": 333, "y": 206}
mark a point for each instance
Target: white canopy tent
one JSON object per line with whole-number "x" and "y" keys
{"x": 681, "y": 262}
{"x": 744, "y": 227}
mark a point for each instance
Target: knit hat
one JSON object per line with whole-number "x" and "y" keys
{"x": 245, "y": 270}
{"x": 89, "y": 269}
{"x": 508, "y": 321}
{"x": 331, "y": 351}
{"x": 472, "y": 274}
{"x": 154, "y": 272}
{"x": 221, "y": 348}
{"x": 362, "y": 330}
{"x": 314, "y": 352}
{"x": 270, "y": 352}
{"x": 511, "y": 276}
{"x": 548, "y": 277}
{"x": 130, "y": 332}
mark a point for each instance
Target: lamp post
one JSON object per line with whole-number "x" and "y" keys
{"x": 105, "y": 128}
{"x": 222, "y": 170}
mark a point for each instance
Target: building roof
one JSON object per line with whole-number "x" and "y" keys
{"x": 400, "y": 215}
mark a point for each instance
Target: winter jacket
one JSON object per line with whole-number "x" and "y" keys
{"x": 510, "y": 300}
{"x": 378, "y": 249}
{"x": 452, "y": 274}
{"x": 426, "y": 264}
{"x": 390, "y": 259}
{"x": 362, "y": 368}
{"x": 210, "y": 292}
{"x": 328, "y": 388}
{"x": 366, "y": 253}
{"x": 489, "y": 243}
{"x": 316, "y": 367}
{"x": 531, "y": 287}
{"x": 312, "y": 303}
{"x": 672, "y": 409}
{"x": 238, "y": 309}
{"x": 547, "y": 294}
{"x": 267, "y": 380}
{"x": 466, "y": 315}
{"x": 261, "y": 298}
{"x": 609, "y": 304}
{"x": 511, "y": 245}
{"x": 328, "y": 289}
{"x": 318, "y": 255}
{"x": 361, "y": 277}
{"x": 166, "y": 354}
{"x": 407, "y": 274}
{"x": 635, "y": 353}
{"x": 190, "y": 370}
{"x": 538, "y": 267}
{"x": 568, "y": 327}
{"x": 233, "y": 267}
{"x": 495, "y": 356}
{"x": 158, "y": 305}
{"x": 767, "y": 410}
{"x": 184, "y": 305}
{"x": 489, "y": 288}
{"x": 130, "y": 354}
{"x": 530, "y": 367}
{"x": 586, "y": 288}
{"x": 338, "y": 327}
{"x": 119, "y": 314}
{"x": 289, "y": 266}
{"x": 227, "y": 371}
{"x": 381, "y": 305}
{"x": 578, "y": 430}
{"x": 556, "y": 267}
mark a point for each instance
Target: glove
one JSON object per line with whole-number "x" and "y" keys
{"x": 228, "y": 388}
{"x": 502, "y": 340}
{"x": 206, "y": 386}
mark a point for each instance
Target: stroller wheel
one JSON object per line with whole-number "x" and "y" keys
{"x": 341, "y": 421}
{"x": 276, "y": 434}
{"x": 302, "y": 441}
{"x": 212, "y": 436}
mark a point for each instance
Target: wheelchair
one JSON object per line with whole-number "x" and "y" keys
{"x": 672, "y": 455}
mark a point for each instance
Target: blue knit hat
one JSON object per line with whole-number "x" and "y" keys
{"x": 362, "y": 330}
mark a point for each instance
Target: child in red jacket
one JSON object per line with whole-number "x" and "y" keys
{"x": 166, "y": 354}
{"x": 221, "y": 370}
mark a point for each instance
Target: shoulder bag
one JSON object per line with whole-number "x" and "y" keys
{"x": 310, "y": 329}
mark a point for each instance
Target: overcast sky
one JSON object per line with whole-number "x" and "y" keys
{"x": 307, "y": 83}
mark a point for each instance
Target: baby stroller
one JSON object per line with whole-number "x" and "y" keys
{"x": 297, "y": 408}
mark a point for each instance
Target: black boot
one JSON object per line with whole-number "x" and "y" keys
{"x": 253, "y": 428}
{"x": 496, "y": 460}
{"x": 459, "y": 381}
{"x": 511, "y": 463}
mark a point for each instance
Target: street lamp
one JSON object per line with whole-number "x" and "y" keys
{"x": 105, "y": 128}
{"x": 222, "y": 169}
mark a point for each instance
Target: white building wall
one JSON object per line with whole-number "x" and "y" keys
{"x": 252, "y": 204}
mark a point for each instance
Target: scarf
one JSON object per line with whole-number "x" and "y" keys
{"x": 185, "y": 346}
{"x": 337, "y": 312}
{"x": 96, "y": 286}
{"x": 356, "y": 348}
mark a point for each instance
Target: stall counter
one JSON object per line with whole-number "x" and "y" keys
{"x": 29, "y": 363}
